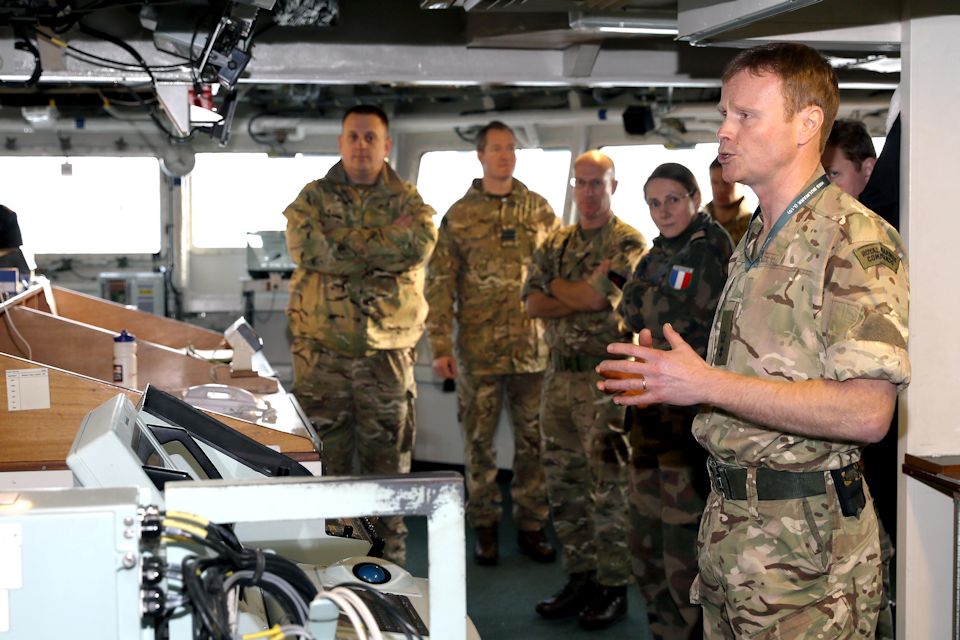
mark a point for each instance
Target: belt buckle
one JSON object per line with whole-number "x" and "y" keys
{"x": 717, "y": 480}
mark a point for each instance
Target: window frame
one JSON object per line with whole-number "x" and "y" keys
{"x": 187, "y": 215}
{"x": 136, "y": 259}
{"x": 425, "y": 149}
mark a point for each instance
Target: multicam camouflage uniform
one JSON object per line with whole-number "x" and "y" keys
{"x": 356, "y": 312}
{"x": 585, "y": 449}
{"x": 475, "y": 277}
{"x": 737, "y": 225}
{"x": 679, "y": 281}
{"x": 828, "y": 300}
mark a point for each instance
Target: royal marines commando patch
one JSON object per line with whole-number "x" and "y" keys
{"x": 877, "y": 255}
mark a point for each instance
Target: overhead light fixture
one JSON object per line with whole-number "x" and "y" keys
{"x": 702, "y": 23}
{"x": 634, "y": 24}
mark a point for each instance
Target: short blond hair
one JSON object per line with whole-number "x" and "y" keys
{"x": 807, "y": 78}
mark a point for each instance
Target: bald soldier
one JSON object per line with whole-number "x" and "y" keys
{"x": 585, "y": 450}
{"x": 474, "y": 281}
{"x": 806, "y": 354}
{"x": 360, "y": 238}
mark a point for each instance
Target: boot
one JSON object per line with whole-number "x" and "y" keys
{"x": 579, "y": 590}
{"x": 486, "y": 551}
{"x": 609, "y": 605}
{"x": 536, "y": 545}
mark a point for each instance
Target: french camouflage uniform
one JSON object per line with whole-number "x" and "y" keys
{"x": 474, "y": 278}
{"x": 679, "y": 281}
{"x": 585, "y": 449}
{"x": 827, "y": 300}
{"x": 356, "y": 312}
{"x": 737, "y": 225}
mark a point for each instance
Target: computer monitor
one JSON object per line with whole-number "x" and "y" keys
{"x": 167, "y": 439}
{"x": 112, "y": 448}
{"x": 205, "y": 447}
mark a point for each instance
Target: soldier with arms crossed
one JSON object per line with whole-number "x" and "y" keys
{"x": 806, "y": 355}
{"x": 360, "y": 238}
{"x": 585, "y": 449}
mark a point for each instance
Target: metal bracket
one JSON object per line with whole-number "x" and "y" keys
{"x": 438, "y": 496}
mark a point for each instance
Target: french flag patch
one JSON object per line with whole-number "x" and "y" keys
{"x": 680, "y": 277}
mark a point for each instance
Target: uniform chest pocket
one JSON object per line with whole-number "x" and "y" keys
{"x": 785, "y": 290}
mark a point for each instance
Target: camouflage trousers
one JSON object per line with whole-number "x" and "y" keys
{"x": 885, "y": 625}
{"x": 480, "y": 402}
{"x": 585, "y": 458}
{"x": 788, "y": 568}
{"x": 362, "y": 406}
{"x": 668, "y": 490}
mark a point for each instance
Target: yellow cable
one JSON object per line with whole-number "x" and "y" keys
{"x": 57, "y": 41}
{"x": 197, "y": 531}
{"x": 183, "y": 515}
{"x": 273, "y": 633}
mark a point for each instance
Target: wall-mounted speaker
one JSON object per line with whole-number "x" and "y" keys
{"x": 638, "y": 120}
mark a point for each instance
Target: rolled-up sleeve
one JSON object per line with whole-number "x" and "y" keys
{"x": 866, "y": 304}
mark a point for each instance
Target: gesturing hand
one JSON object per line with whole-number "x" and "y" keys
{"x": 677, "y": 376}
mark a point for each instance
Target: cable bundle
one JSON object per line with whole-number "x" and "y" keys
{"x": 352, "y": 605}
{"x": 209, "y": 581}
{"x": 211, "y": 585}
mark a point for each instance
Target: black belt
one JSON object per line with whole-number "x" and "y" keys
{"x": 574, "y": 364}
{"x": 731, "y": 482}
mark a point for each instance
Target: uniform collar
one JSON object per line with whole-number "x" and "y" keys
{"x": 388, "y": 177}
{"x": 517, "y": 190}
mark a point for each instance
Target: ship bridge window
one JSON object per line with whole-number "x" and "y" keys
{"x": 636, "y": 162}
{"x": 446, "y": 175}
{"x": 231, "y": 194}
{"x": 84, "y": 205}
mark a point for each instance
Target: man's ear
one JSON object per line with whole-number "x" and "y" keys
{"x": 866, "y": 167}
{"x": 811, "y": 121}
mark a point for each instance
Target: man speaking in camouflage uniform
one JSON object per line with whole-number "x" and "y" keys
{"x": 585, "y": 449}
{"x": 485, "y": 244}
{"x": 806, "y": 354}
{"x": 361, "y": 238}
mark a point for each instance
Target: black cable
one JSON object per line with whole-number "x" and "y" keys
{"x": 96, "y": 33}
{"x": 108, "y": 63}
{"x": 266, "y": 140}
{"x": 202, "y": 603}
{"x": 23, "y": 44}
{"x": 203, "y": 578}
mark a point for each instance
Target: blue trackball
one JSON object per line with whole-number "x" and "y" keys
{"x": 371, "y": 573}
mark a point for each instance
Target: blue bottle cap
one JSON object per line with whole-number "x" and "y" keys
{"x": 124, "y": 337}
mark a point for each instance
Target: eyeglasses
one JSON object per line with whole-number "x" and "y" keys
{"x": 591, "y": 185}
{"x": 669, "y": 201}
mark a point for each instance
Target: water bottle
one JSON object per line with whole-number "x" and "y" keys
{"x": 125, "y": 360}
